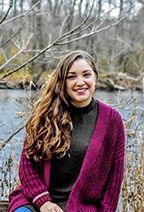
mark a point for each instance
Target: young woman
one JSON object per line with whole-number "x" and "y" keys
{"x": 73, "y": 155}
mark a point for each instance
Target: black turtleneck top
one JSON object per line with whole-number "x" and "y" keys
{"x": 65, "y": 171}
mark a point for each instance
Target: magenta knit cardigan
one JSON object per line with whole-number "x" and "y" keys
{"x": 98, "y": 185}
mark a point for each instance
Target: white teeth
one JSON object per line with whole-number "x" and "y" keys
{"x": 81, "y": 90}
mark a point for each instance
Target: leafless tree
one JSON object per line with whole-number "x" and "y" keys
{"x": 69, "y": 33}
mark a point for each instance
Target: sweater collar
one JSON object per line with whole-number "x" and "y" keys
{"x": 82, "y": 110}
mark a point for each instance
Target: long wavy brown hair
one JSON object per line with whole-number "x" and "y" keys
{"x": 49, "y": 127}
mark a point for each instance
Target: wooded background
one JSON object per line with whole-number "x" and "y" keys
{"x": 34, "y": 35}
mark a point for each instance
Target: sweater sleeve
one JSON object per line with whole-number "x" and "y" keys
{"x": 113, "y": 186}
{"x": 32, "y": 181}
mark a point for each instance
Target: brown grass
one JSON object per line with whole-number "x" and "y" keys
{"x": 132, "y": 192}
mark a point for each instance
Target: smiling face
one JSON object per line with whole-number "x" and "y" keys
{"x": 80, "y": 83}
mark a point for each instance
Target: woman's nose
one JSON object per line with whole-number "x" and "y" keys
{"x": 80, "y": 81}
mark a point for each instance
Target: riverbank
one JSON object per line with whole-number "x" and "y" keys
{"x": 107, "y": 81}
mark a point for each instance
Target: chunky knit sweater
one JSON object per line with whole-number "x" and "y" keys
{"x": 98, "y": 185}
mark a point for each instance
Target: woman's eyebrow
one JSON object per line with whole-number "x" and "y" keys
{"x": 71, "y": 72}
{"x": 87, "y": 70}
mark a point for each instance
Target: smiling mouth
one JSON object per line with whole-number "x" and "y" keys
{"x": 81, "y": 90}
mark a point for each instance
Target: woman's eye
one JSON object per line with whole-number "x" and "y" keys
{"x": 87, "y": 74}
{"x": 70, "y": 77}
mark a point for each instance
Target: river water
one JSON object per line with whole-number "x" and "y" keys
{"x": 14, "y": 101}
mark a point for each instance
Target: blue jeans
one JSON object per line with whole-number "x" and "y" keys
{"x": 22, "y": 209}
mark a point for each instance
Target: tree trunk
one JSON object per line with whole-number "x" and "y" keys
{"x": 2, "y": 6}
{"x": 80, "y": 9}
{"x": 70, "y": 18}
{"x": 21, "y": 5}
{"x": 50, "y": 5}
{"x": 121, "y": 8}
{"x": 39, "y": 44}
{"x": 99, "y": 8}
{"x": 15, "y": 8}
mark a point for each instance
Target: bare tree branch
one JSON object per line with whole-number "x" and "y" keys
{"x": 66, "y": 35}
{"x": 98, "y": 28}
{"x": 11, "y": 37}
{"x": 60, "y": 33}
{"x": 86, "y": 28}
{"x": 20, "y": 51}
{"x": 50, "y": 46}
{"x": 10, "y": 137}
{"x": 93, "y": 32}
{"x": 89, "y": 25}
{"x": 10, "y": 6}
{"x": 21, "y": 15}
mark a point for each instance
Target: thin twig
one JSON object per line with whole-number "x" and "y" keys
{"x": 60, "y": 33}
{"x": 21, "y": 15}
{"x": 20, "y": 51}
{"x": 10, "y": 136}
{"x": 91, "y": 33}
{"x": 98, "y": 28}
{"x": 10, "y": 6}
{"x": 11, "y": 37}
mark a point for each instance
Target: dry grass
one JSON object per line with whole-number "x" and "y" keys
{"x": 132, "y": 192}
{"x": 9, "y": 165}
